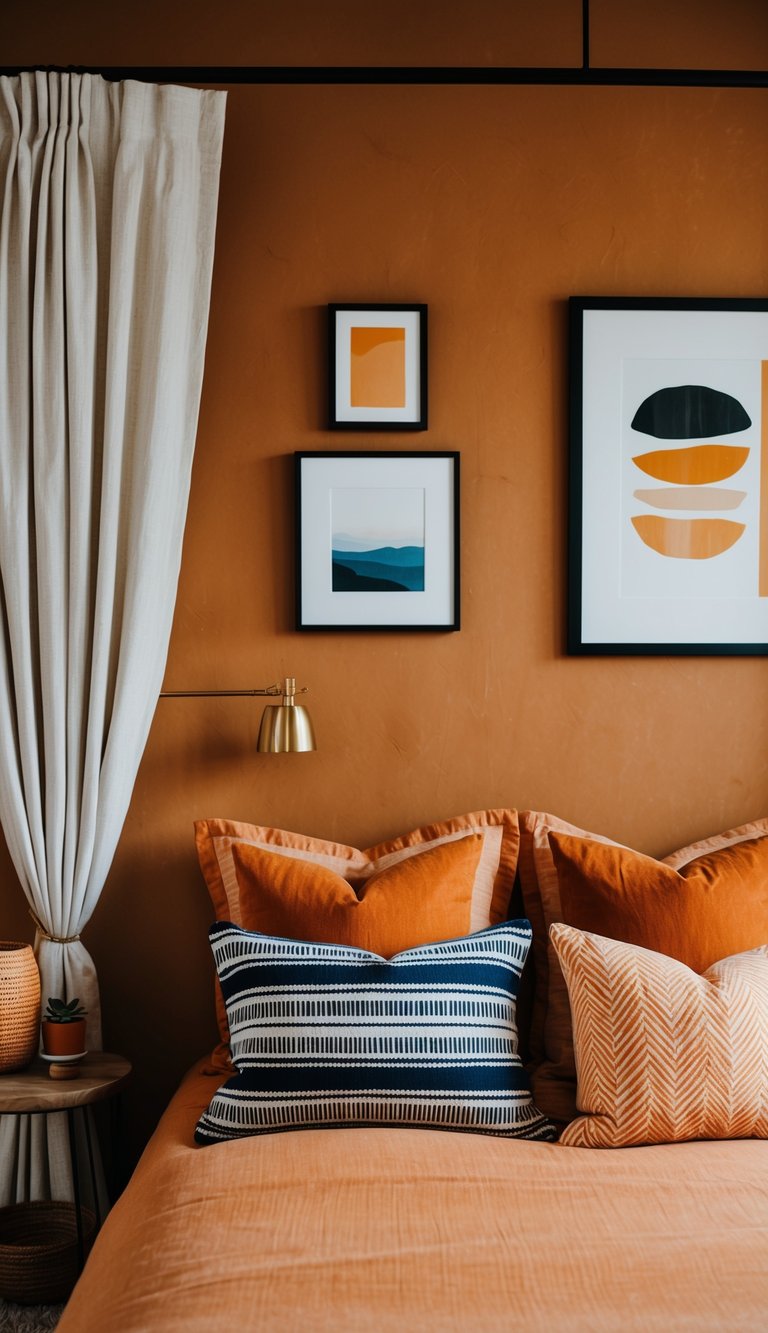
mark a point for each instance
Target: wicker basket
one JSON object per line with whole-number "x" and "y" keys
{"x": 19, "y": 1005}
{"x": 38, "y": 1251}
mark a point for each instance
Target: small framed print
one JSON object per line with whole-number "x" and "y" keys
{"x": 377, "y": 367}
{"x": 669, "y": 476}
{"x": 377, "y": 541}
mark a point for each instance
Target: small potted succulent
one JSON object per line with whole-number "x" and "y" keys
{"x": 63, "y": 1027}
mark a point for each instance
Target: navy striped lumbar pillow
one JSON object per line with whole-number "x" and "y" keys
{"x": 324, "y": 1035}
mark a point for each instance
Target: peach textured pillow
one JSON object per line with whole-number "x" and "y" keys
{"x": 552, "y": 1070}
{"x": 435, "y": 883}
{"x": 664, "y": 1054}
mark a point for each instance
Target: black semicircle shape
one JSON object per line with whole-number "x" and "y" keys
{"x": 690, "y": 412}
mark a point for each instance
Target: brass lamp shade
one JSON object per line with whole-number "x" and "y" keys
{"x": 285, "y": 728}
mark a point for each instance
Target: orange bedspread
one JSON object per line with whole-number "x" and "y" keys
{"x": 420, "y": 1229}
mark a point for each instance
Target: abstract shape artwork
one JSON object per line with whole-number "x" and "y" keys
{"x": 669, "y": 476}
{"x": 685, "y": 412}
{"x": 377, "y": 370}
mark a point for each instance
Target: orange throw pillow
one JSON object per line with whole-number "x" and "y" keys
{"x": 664, "y": 1054}
{"x": 293, "y": 898}
{"x": 438, "y": 882}
{"x": 715, "y": 906}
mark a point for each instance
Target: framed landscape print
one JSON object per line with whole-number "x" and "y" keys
{"x": 668, "y": 535}
{"x": 377, "y": 358}
{"x": 377, "y": 541}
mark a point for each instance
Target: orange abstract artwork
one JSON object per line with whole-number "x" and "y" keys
{"x": 679, "y": 413}
{"x": 670, "y": 496}
{"x": 377, "y": 367}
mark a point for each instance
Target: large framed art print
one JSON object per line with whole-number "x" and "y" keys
{"x": 377, "y": 541}
{"x": 668, "y": 533}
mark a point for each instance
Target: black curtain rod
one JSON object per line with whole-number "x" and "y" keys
{"x": 586, "y": 76}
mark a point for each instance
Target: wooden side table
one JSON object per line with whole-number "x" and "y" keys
{"x": 32, "y": 1091}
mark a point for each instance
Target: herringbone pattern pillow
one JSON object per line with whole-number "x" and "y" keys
{"x": 662, "y": 1053}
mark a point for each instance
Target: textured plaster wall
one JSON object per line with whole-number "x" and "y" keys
{"x": 493, "y": 205}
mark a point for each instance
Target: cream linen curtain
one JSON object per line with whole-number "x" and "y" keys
{"x": 107, "y": 219}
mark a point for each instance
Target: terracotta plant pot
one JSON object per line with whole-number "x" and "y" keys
{"x": 19, "y": 1005}
{"x": 64, "y": 1038}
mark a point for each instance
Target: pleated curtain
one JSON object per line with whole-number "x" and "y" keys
{"x": 108, "y": 196}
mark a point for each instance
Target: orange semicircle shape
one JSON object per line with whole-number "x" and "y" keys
{"x": 687, "y": 538}
{"x": 695, "y": 466}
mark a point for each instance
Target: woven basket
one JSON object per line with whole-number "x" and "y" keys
{"x": 38, "y": 1251}
{"x": 19, "y": 1005}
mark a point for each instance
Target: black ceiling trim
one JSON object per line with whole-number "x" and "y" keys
{"x": 585, "y": 76}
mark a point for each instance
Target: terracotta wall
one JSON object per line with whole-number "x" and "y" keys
{"x": 493, "y": 205}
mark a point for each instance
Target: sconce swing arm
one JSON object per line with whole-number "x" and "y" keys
{"x": 284, "y": 727}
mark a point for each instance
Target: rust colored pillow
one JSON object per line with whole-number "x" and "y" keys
{"x": 438, "y": 882}
{"x": 552, "y": 1069}
{"x": 715, "y": 906}
{"x": 287, "y": 896}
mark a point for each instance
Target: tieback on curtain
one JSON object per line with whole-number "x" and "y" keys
{"x": 54, "y": 939}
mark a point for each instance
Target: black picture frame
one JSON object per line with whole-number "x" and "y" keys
{"x": 383, "y": 385}
{"x": 668, "y": 399}
{"x": 377, "y": 540}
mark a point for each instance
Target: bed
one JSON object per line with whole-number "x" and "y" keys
{"x": 407, "y": 1229}
{"x": 645, "y": 1207}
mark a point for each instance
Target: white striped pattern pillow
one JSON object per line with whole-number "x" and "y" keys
{"x": 663, "y": 1054}
{"x": 326, "y": 1035}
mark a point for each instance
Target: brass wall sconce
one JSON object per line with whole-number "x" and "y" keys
{"x": 285, "y": 727}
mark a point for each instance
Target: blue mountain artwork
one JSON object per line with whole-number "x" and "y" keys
{"x": 385, "y": 569}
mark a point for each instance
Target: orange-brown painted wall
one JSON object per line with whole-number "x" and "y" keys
{"x": 493, "y": 205}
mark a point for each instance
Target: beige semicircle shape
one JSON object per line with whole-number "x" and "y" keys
{"x": 687, "y": 538}
{"x": 694, "y": 466}
{"x": 690, "y": 497}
